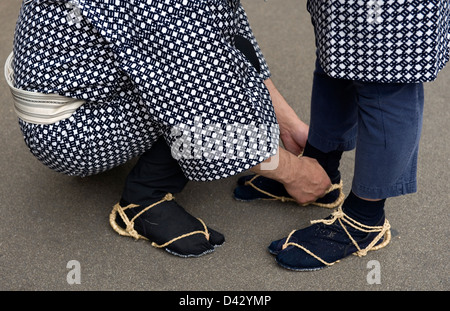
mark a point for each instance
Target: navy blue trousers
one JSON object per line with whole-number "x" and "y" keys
{"x": 382, "y": 121}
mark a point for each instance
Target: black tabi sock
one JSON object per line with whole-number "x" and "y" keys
{"x": 366, "y": 212}
{"x": 329, "y": 161}
{"x": 155, "y": 174}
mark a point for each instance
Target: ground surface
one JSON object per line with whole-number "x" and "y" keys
{"x": 47, "y": 219}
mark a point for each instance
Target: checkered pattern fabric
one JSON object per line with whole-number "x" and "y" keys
{"x": 382, "y": 40}
{"x": 146, "y": 68}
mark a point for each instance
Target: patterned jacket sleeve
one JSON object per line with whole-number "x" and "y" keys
{"x": 245, "y": 30}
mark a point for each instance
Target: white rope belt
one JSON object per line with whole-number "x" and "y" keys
{"x": 39, "y": 108}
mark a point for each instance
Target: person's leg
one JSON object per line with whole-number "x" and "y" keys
{"x": 389, "y": 126}
{"x": 155, "y": 174}
{"x": 333, "y": 124}
{"x": 389, "y": 129}
{"x": 148, "y": 192}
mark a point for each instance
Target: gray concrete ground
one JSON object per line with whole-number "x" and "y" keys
{"x": 47, "y": 219}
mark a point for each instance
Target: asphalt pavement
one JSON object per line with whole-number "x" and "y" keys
{"x": 54, "y": 228}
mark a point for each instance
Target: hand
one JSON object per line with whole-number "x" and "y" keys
{"x": 303, "y": 178}
{"x": 310, "y": 183}
{"x": 294, "y": 136}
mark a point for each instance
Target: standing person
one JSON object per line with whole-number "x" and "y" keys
{"x": 182, "y": 84}
{"x": 372, "y": 60}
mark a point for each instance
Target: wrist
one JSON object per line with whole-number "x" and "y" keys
{"x": 284, "y": 173}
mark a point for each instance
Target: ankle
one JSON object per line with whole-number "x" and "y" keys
{"x": 368, "y": 212}
{"x": 284, "y": 171}
{"x": 330, "y": 161}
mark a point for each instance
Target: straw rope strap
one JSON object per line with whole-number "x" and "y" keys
{"x": 333, "y": 187}
{"x": 383, "y": 232}
{"x": 131, "y": 232}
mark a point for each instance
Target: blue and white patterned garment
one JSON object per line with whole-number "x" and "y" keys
{"x": 387, "y": 41}
{"x": 146, "y": 68}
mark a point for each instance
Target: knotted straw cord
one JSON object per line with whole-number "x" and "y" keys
{"x": 286, "y": 244}
{"x": 131, "y": 232}
{"x": 342, "y": 217}
{"x": 206, "y": 233}
{"x": 287, "y": 199}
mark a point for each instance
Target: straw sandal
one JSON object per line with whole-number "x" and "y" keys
{"x": 329, "y": 240}
{"x": 127, "y": 228}
{"x": 256, "y": 187}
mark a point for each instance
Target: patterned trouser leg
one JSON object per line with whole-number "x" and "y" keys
{"x": 96, "y": 138}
